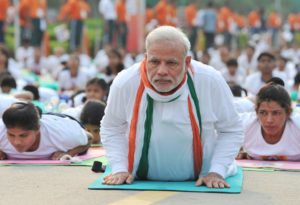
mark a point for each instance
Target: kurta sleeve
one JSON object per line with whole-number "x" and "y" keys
{"x": 114, "y": 127}
{"x": 228, "y": 126}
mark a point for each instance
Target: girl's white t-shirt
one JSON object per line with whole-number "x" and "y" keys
{"x": 288, "y": 148}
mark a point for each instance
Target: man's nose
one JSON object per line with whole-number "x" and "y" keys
{"x": 162, "y": 69}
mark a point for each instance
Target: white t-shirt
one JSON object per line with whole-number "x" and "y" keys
{"x": 5, "y": 102}
{"x": 74, "y": 111}
{"x": 67, "y": 82}
{"x": 107, "y": 9}
{"x": 57, "y": 134}
{"x": 237, "y": 78}
{"x": 288, "y": 148}
{"x": 247, "y": 66}
{"x": 243, "y": 105}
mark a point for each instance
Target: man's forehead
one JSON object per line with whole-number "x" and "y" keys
{"x": 157, "y": 57}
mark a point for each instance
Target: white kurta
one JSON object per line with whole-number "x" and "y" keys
{"x": 57, "y": 134}
{"x": 288, "y": 148}
{"x": 171, "y": 150}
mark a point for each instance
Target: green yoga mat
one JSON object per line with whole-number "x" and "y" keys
{"x": 187, "y": 186}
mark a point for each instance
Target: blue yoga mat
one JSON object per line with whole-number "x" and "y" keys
{"x": 186, "y": 186}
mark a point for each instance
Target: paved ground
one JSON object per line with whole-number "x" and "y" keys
{"x": 68, "y": 185}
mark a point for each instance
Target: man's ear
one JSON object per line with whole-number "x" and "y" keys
{"x": 188, "y": 60}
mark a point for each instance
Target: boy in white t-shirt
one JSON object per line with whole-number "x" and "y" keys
{"x": 26, "y": 134}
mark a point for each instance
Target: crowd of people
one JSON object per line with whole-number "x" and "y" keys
{"x": 211, "y": 103}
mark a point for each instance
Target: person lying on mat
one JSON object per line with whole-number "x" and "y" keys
{"x": 90, "y": 117}
{"x": 26, "y": 134}
{"x": 170, "y": 118}
{"x": 273, "y": 132}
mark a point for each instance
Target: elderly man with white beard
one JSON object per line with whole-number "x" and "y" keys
{"x": 170, "y": 118}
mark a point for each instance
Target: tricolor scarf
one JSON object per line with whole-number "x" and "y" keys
{"x": 142, "y": 170}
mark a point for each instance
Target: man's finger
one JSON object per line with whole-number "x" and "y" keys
{"x": 199, "y": 182}
{"x": 208, "y": 183}
{"x": 129, "y": 179}
{"x": 221, "y": 185}
{"x": 215, "y": 184}
{"x": 120, "y": 180}
{"x": 226, "y": 184}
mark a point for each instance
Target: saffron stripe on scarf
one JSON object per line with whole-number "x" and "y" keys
{"x": 197, "y": 145}
{"x": 133, "y": 124}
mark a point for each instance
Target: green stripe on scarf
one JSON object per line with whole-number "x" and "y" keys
{"x": 142, "y": 171}
{"x": 195, "y": 100}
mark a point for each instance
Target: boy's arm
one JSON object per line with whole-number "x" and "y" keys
{"x": 82, "y": 148}
{"x": 75, "y": 151}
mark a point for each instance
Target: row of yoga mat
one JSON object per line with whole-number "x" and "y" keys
{"x": 98, "y": 154}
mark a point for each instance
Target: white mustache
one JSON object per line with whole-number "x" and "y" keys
{"x": 158, "y": 79}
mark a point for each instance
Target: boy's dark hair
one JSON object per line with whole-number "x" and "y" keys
{"x": 92, "y": 112}
{"x": 237, "y": 90}
{"x": 120, "y": 66}
{"x": 99, "y": 82}
{"x": 267, "y": 54}
{"x": 34, "y": 90}
{"x": 8, "y": 81}
{"x": 276, "y": 80}
{"x": 22, "y": 115}
{"x": 274, "y": 92}
{"x": 297, "y": 79}
{"x": 232, "y": 62}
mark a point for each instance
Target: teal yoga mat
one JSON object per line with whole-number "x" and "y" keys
{"x": 235, "y": 182}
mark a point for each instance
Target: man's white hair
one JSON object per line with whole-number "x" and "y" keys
{"x": 168, "y": 33}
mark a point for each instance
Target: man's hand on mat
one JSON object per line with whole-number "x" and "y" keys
{"x": 2, "y": 156}
{"x": 118, "y": 178}
{"x": 212, "y": 180}
{"x": 57, "y": 155}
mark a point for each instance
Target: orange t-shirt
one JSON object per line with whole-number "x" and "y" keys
{"x": 121, "y": 11}
{"x": 161, "y": 12}
{"x": 171, "y": 15}
{"x": 190, "y": 14}
{"x": 37, "y": 8}
{"x": 292, "y": 19}
{"x": 149, "y": 15}
{"x": 240, "y": 20}
{"x": 63, "y": 12}
{"x": 274, "y": 20}
{"x": 24, "y": 12}
{"x": 224, "y": 17}
{"x": 253, "y": 19}
{"x": 4, "y": 4}
{"x": 78, "y": 9}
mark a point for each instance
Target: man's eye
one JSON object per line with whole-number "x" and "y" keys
{"x": 172, "y": 63}
{"x": 154, "y": 62}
